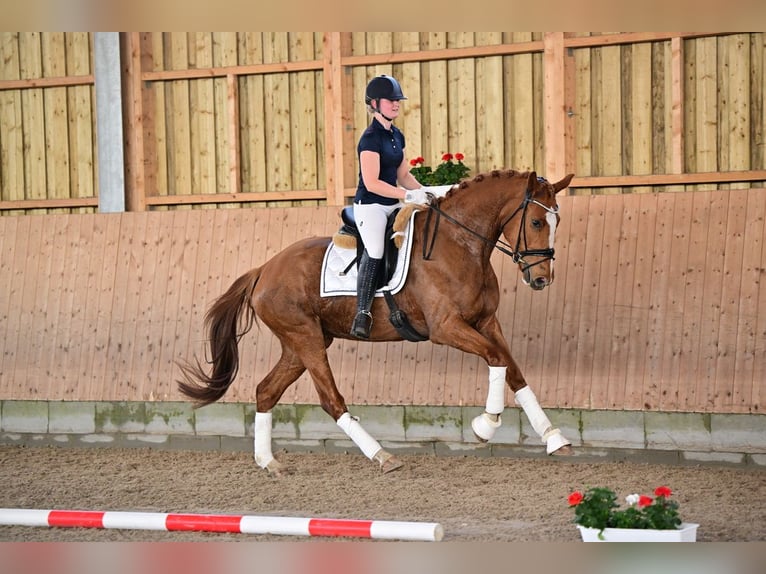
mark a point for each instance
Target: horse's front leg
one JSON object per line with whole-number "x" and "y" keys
{"x": 484, "y": 425}
{"x": 488, "y": 342}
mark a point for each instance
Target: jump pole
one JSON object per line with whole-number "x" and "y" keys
{"x": 242, "y": 524}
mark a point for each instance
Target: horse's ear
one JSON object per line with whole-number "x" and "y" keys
{"x": 531, "y": 180}
{"x": 563, "y": 184}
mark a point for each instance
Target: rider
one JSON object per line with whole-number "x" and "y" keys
{"x": 382, "y": 166}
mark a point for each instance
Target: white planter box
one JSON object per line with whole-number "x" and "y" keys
{"x": 687, "y": 532}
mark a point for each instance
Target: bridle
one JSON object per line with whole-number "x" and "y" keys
{"x": 517, "y": 254}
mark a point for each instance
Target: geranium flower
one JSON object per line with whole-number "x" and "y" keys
{"x": 446, "y": 173}
{"x": 598, "y": 508}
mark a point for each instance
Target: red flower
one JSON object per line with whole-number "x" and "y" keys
{"x": 575, "y": 498}
{"x": 663, "y": 491}
{"x": 644, "y": 500}
{"x": 447, "y": 157}
{"x": 459, "y": 156}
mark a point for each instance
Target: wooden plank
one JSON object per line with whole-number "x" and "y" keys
{"x": 605, "y": 305}
{"x": 734, "y": 248}
{"x": 12, "y": 148}
{"x": 735, "y": 152}
{"x": 277, "y": 117}
{"x": 23, "y": 334}
{"x": 227, "y": 100}
{"x": 589, "y": 317}
{"x": 50, "y": 312}
{"x": 638, "y": 341}
{"x": 626, "y": 300}
{"x": 122, "y": 310}
{"x": 202, "y": 117}
{"x": 148, "y": 306}
{"x": 175, "y": 306}
{"x": 12, "y": 323}
{"x": 583, "y": 138}
{"x": 410, "y": 119}
{"x": 436, "y": 103}
{"x": 553, "y": 334}
{"x": 693, "y": 276}
{"x": 747, "y": 340}
{"x": 81, "y": 105}
{"x": 706, "y": 107}
{"x": 554, "y": 102}
{"x": 461, "y": 91}
{"x": 8, "y": 245}
{"x": 33, "y": 114}
{"x": 177, "y": 116}
{"x": 576, "y": 244}
{"x": 677, "y": 153}
{"x": 519, "y": 103}
{"x": 756, "y": 403}
{"x": 490, "y": 136}
{"x": 303, "y": 114}
{"x": 98, "y": 318}
{"x": 711, "y": 302}
{"x": 56, "y": 121}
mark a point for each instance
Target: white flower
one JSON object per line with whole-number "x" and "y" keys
{"x": 632, "y": 499}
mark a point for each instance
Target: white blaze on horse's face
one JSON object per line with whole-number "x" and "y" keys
{"x": 552, "y": 219}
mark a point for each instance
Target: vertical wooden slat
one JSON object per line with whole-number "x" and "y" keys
{"x": 746, "y": 352}
{"x": 638, "y": 342}
{"x": 490, "y": 136}
{"x": 731, "y": 292}
{"x": 435, "y": 97}
{"x": 588, "y": 321}
{"x": 303, "y": 112}
{"x": 56, "y": 129}
{"x": 677, "y": 108}
{"x": 606, "y": 310}
{"x": 252, "y": 111}
{"x": 658, "y": 306}
{"x": 573, "y": 303}
{"x": 711, "y": 302}
{"x": 622, "y": 315}
{"x": 179, "y": 134}
{"x": 8, "y": 245}
{"x": 49, "y": 321}
{"x": 33, "y": 114}
{"x": 461, "y": 89}
{"x": 135, "y": 159}
{"x": 277, "y": 116}
{"x": 99, "y": 324}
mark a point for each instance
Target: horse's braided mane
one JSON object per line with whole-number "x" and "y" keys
{"x": 496, "y": 173}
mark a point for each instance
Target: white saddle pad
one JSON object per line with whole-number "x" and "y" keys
{"x": 334, "y": 283}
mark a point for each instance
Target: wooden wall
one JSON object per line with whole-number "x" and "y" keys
{"x": 659, "y": 304}
{"x": 271, "y": 118}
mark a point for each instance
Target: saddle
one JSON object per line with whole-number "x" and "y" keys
{"x": 348, "y": 237}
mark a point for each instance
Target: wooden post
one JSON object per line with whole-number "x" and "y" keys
{"x": 337, "y": 89}
{"x": 232, "y": 97}
{"x": 554, "y": 87}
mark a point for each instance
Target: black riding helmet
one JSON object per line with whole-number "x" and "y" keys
{"x": 383, "y": 87}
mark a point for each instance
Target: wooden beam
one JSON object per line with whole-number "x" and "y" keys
{"x": 670, "y": 179}
{"x": 554, "y": 86}
{"x": 134, "y": 125}
{"x": 232, "y": 102}
{"x": 47, "y": 82}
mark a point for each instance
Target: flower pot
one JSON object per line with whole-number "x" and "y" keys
{"x": 687, "y": 532}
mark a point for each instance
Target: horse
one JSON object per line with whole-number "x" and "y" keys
{"x": 450, "y": 297}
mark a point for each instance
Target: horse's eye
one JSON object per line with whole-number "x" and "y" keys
{"x": 537, "y": 223}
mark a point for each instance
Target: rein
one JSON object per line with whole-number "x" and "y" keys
{"x": 516, "y": 254}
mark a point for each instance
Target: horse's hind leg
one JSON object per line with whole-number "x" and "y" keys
{"x": 333, "y": 403}
{"x": 269, "y": 391}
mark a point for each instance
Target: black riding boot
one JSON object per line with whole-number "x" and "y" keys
{"x": 365, "y": 292}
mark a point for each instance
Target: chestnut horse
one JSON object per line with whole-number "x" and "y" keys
{"x": 451, "y": 298}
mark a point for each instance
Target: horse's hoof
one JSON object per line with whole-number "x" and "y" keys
{"x": 565, "y": 450}
{"x": 388, "y": 462}
{"x": 277, "y": 469}
{"x": 480, "y": 439}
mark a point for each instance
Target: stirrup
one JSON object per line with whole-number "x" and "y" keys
{"x": 362, "y": 325}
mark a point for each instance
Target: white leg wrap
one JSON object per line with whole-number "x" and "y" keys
{"x": 262, "y": 440}
{"x": 552, "y": 437}
{"x": 496, "y": 392}
{"x": 350, "y": 425}
{"x": 484, "y": 425}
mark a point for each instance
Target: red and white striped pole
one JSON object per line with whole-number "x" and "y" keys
{"x": 243, "y": 524}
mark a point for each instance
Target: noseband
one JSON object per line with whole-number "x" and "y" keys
{"x": 515, "y": 253}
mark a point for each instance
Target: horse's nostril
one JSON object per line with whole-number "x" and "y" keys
{"x": 541, "y": 281}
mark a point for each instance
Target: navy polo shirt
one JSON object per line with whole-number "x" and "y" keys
{"x": 389, "y": 145}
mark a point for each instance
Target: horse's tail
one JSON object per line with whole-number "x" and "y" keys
{"x": 230, "y": 317}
